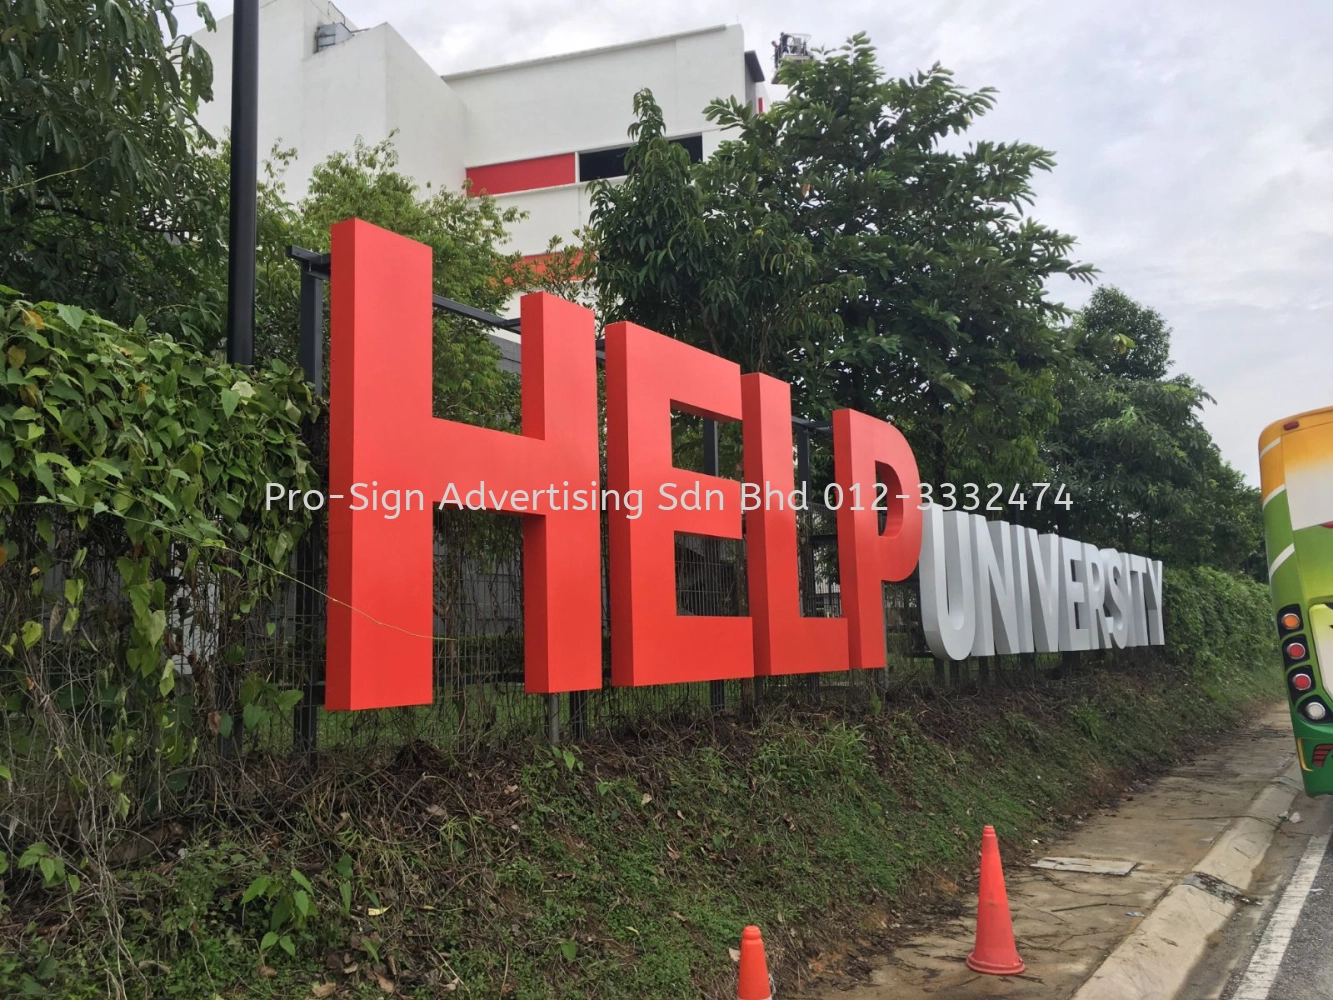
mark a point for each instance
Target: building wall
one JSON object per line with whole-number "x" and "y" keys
{"x": 319, "y": 103}
{"x": 585, "y": 101}
{"x": 525, "y": 121}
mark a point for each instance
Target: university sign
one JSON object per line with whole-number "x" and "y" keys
{"x": 987, "y": 587}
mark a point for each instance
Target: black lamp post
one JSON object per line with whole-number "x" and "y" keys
{"x": 243, "y": 230}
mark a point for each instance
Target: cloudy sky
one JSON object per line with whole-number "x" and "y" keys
{"x": 1194, "y": 144}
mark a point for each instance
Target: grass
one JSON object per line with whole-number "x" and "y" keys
{"x": 623, "y": 869}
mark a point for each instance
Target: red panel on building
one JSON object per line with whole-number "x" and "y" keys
{"x": 522, "y": 175}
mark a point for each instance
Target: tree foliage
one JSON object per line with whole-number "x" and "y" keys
{"x": 1131, "y": 444}
{"x": 845, "y": 242}
{"x": 849, "y": 241}
{"x": 102, "y": 195}
{"x": 466, "y": 236}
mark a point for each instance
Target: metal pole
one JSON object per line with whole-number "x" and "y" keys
{"x": 243, "y": 230}
{"x": 717, "y": 690}
{"x": 311, "y": 348}
{"x": 578, "y": 714}
{"x": 553, "y": 719}
{"x": 809, "y": 590}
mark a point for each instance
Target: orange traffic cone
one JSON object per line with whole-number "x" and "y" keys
{"x": 994, "y": 953}
{"x": 754, "y": 983}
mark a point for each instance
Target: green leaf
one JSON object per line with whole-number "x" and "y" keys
{"x": 344, "y": 890}
{"x": 72, "y": 316}
{"x": 253, "y": 716}
{"x": 302, "y": 881}
{"x": 268, "y": 941}
{"x": 42, "y": 473}
{"x": 257, "y": 888}
{"x": 287, "y": 945}
{"x": 157, "y": 627}
{"x": 31, "y": 633}
{"x": 229, "y": 400}
{"x": 569, "y": 949}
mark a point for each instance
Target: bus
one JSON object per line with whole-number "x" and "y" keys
{"x": 1296, "y": 479}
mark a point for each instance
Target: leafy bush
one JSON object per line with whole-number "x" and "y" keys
{"x": 1217, "y": 621}
{"x": 134, "y": 546}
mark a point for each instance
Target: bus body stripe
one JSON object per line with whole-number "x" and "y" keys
{"x": 1282, "y": 557}
{"x": 1274, "y": 493}
{"x": 1270, "y": 446}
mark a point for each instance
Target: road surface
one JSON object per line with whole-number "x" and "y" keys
{"x": 1281, "y": 946}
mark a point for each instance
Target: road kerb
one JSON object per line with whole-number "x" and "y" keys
{"x": 1155, "y": 960}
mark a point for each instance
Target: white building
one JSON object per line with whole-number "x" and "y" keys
{"x": 530, "y": 133}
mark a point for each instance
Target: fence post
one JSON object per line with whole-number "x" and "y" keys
{"x": 806, "y": 568}
{"x": 717, "y": 690}
{"x": 578, "y": 714}
{"x": 305, "y": 715}
{"x": 310, "y": 350}
{"x": 553, "y": 719}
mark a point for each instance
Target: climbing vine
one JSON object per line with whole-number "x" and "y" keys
{"x": 135, "y": 552}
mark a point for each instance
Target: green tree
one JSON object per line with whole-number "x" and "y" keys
{"x": 844, "y": 242}
{"x": 1130, "y": 446}
{"x": 466, "y": 236}
{"x": 102, "y": 195}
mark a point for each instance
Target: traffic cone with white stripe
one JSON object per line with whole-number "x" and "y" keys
{"x": 754, "y": 982}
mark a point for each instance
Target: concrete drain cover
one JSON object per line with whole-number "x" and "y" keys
{"x": 1088, "y": 866}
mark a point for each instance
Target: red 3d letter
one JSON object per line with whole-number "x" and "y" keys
{"x": 784, "y": 642}
{"x": 380, "y": 609}
{"x": 866, "y": 452}
{"x": 646, "y": 375}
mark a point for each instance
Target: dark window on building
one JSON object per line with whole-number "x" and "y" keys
{"x": 694, "y": 145}
{"x": 603, "y": 163}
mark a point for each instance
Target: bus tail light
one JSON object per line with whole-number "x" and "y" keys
{"x": 1289, "y": 619}
{"x": 1315, "y": 711}
{"x": 1302, "y": 682}
{"x": 1295, "y": 648}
